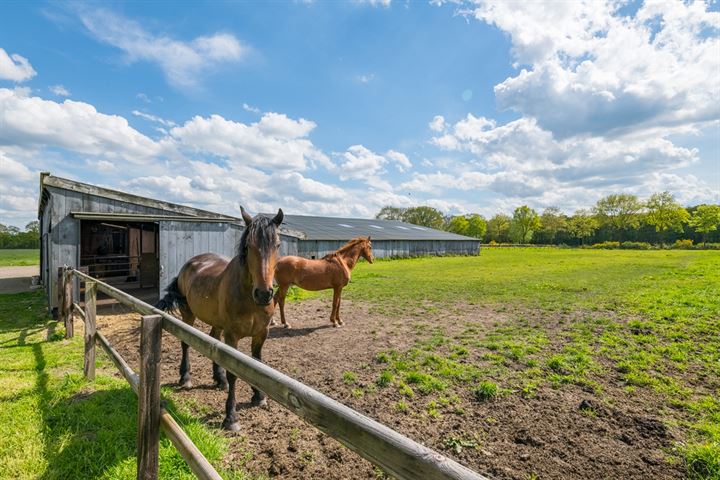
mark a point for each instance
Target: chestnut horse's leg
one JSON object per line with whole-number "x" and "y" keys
{"x": 280, "y": 300}
{"x": 218, "y": 372}
{"x": 335, "y": 314}
{"x": 337, "y": 311}
{"x": 185, "y": 378}
{"x": 258, "y": 399}
{"x": 230, "y": 422}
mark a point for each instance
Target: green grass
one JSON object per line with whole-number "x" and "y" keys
{"x": 651, "y": 318}
{"x": 19, "y": 258}
{"x": 56, "y": 425}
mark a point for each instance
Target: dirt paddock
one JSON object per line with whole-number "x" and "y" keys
{"x": 546, "y": 436}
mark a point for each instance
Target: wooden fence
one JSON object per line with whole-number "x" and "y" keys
{"x": 396, "y": 454}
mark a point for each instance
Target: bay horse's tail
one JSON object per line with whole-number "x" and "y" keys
{"x": 173, "y": 299}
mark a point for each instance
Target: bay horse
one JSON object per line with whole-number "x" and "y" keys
{"x": 331, "y": 271}
{"x": 234, "y": 296}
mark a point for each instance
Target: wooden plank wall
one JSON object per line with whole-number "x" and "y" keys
{"x": 180, "y": 241}
{"x": 65, "y": 233}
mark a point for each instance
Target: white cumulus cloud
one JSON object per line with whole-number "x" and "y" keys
{"x": 15, "y": 67}
{"x": 30, "y": 121}
{"x": 590, "y": 69}
{"x": 184, "y": 63}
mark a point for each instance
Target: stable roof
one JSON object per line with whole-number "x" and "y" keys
{"x": 334, "y": 228}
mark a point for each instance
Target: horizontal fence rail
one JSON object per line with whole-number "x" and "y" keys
{"x": 190, "y": 453}
{"x": 384, "y": 447}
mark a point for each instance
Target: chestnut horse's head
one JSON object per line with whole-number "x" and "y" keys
{"x": 258, "y": 251}
{"x": 366, "y": 251}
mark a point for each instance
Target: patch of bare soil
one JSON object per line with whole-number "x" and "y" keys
{"x": 564, "y": 433}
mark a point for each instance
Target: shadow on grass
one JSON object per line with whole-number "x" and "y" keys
{"x": 85, "y": 434}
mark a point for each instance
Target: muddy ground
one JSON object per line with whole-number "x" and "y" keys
{"x": 547, "y": 436}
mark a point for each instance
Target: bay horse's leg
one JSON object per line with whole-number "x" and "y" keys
{"x": 230, "y": 422}
{"x": 334, "y": 315}
{"x": 280, "y": 299}
{"x": 218, "y": 372}
{"x": 185, "y": 378}
{"x": 258, "y": 399}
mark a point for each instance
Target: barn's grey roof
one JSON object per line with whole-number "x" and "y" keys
{"x": 332, "y": 228}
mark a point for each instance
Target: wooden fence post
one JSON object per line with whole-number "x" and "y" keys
{"x": 90, "y": 307}
{"x": 58, "y": 312}
{"x": 148, "y": 433}
{"x": 68, "y": 303}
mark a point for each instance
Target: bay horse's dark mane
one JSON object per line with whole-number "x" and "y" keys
{"x": 262, "y": 231}
{"x": 345, "y": 248}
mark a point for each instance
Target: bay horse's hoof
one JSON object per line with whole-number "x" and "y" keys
{"x": 258, "y": 401}
{"x": 231, "y": 426}
{"x": 287, "y": 325}
{"x": 222, "y": 386}
{"x": 273, "y": 322}
{"x": 186, "y": 385}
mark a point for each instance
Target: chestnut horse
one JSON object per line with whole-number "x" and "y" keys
{"x": 331, "y": 271}
{"x": 234, "y": 296}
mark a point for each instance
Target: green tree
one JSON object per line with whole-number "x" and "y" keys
{"x": 705, "y": 219}
{"x": 582, "y": 225}
{"x": 458, "y": 224}
{"x": 619, "y": 211}
{"x": 552, "y": 221}
{"x": 424, "y": 216}
{"x": 477, "y": 226}
{"x": 33, "y": 227}
{"x": 664, "y": 213}
{"x": 390, "y": 213}
{"x": 525, "y": 221}
{"x": 498, "y": 228}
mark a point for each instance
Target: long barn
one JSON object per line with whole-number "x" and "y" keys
{"x": 139, "y": 244}
{"x": 319, "y": 236}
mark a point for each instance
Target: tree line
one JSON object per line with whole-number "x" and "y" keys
{"x": 13, "y": 237}
{"x": 621, "y": 218}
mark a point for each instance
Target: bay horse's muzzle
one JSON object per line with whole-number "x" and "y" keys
{"x": 263, "y": 296}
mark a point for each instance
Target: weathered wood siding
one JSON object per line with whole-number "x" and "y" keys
{"x": 180, "y": 241}
{"x": 393, "y": 248}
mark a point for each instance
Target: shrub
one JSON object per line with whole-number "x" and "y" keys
{"x": 683, "y": 244}
{"x": 636, "y": 245}
{"x": 607, "y": 245}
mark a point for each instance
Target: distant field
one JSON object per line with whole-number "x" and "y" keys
{"x": 19, "y": 258}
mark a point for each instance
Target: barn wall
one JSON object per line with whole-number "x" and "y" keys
{"x": 393, "y": 248}
{"x": 180, "y": 241}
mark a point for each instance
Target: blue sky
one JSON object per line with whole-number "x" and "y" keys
{"x": 339, "y": 108}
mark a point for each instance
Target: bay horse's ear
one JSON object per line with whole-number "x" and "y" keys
{"x": 279, "y": 217}
{"x": 246, "y": 216}
{"x": 368, "y": 238}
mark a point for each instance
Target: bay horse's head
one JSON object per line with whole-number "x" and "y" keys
{"x": 366, "y": 251}
{"x": 258, "y": 251}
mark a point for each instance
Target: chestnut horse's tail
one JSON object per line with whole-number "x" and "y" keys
{"x": 173, "y": 299}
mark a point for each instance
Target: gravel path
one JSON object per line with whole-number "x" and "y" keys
{"x": 17, "y": 279}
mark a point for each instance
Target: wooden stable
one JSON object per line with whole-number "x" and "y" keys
{"x": 134, "y": 243}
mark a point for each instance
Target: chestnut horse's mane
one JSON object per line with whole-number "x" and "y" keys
{"x": 262, "y": 231}
{"x": 352, "y": 243}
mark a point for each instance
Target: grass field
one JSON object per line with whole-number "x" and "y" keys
{"x": 19, "y": 257}
{"x": 56, "y": 425}
{"x": 651, "y": 317}
{"x": 576, "y": 318}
